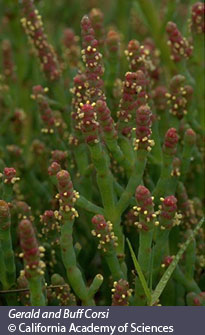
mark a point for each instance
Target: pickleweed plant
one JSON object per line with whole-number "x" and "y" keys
{"x": 102, "y": 153}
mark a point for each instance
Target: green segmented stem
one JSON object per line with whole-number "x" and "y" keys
{"x": 37, "y": 297}
{"x": 161, "y": 187}
{"x": 69, "y": 259}
{"x": 104, "y": 179}
{"x": 94, "y": 287}
{"x": 144, "y": 253}
{"x": 82, "y": 202}
{"x": 114, "y": 265}
{"x": 81, "y": 158}
{"x": 133, "y": 182}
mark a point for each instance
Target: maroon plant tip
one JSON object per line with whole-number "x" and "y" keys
{"x": 88, "y": 123}
{"x": 79, "y": 98}
{"x": 33, "y": 27}
{"x": 133, "y": 96}
{"x": 143, "y": 196}
{"x": 145, "y": 207}
{"x": 170, "y": 142}
{"x": 96, "y": 17}
{"x": 168, "y": 208}
{"x": 113, "y": 42}
{"x": 53, "y": 169}
{"x": 138, "y": 56}
{"x": 180, "y": 47}
{"x": 92, "y": 59}
{"x": 9, "y": 175}
{"x": 31, "y": 251}
{"x": 87, "y": 31}
{"x": 190, "y": 137}
{"x": 4, "y": 215}
{"x": 103, "y": 230}
{"x": 67, "y": 196}
{"x": 121, "y": 293}
{"x": 143, "y": 129}
{"x": 197, "y": 18}
{"x": 105, "y": 119}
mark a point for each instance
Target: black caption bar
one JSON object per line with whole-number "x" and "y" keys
{"x": 102, "y": 320}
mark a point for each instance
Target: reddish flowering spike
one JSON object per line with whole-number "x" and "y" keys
{"x": 71, "y": 47}
{"x": 105, "y": 119}
{"x": 138, "y": 56}
{"x": 79, "y": 98}
{"x": 190, "y": 137}
{"x": 103, "y": 230}
{"x": 89, "y": 124}
{"x": 9, "y": 175}
{"x": 87, "y": 31}
{"x": 143, "y": 129}
{"x": 121, "y": 293}
{"x": 179, "y": 97}
{"x": 180, "y": 47}
{"x": 45, "y": 110}
{"x": 92, "y": 59}
{"x": 53, "y": 169}
{"x": 7, "y": 59}
{"x": 170, "y": 142}
{"x": 4, "y": 216}
{"x": 33, "y": 26}
{"x": 67, "y": 196}
{"x": 30, "y": 248}
{"x": 96, "y": 17}
{"x": 145, "y": 207}
{"x": 168, "y": 211}
{"x": 144, "y": 199}
{"x": 159, "y": 96}
{"x": 113, "y": 42}
{"x": 197, "y": 18}
{"x": 134, "y": 95}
